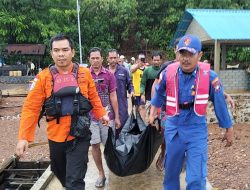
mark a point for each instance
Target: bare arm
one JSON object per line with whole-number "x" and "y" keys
{"x": 153, "y": 87}
{"x": 134, "y": 68}
{"x": 153, "y": 114}
{"x": 229, "y": 100}
{"x": 114, "y": 103}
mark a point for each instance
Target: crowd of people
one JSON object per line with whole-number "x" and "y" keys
{"x": 177, "y": 92}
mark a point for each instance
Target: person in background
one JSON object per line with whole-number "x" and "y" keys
{"x": 148, "y": 78}
{"x": 28, "y": 68}
{"x": 124, "y": 62}
{"x": 124, "y": 86}
{"x": 32, "y": 68}
{"x": 186, "y": 86}
{"x": 106, "y": 87}
{"x": 137, "y": 71}
{"x": 68, "y": 154}
{"x": 132, "y": 62}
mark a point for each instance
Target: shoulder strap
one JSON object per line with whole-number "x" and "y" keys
{"x": 75, "y": 70}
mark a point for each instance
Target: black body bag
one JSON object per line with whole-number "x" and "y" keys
{"x": 135, "y": 149}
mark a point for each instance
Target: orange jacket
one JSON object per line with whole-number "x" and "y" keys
{"x": 40, "y": 90}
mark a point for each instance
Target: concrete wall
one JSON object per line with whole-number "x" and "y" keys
{"x": 241, "y": 113}
{"x": 234, "y": 79}
{"x": 16, "y": 79}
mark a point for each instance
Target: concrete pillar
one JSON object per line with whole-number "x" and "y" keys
{"x": 223, "y": 57}
{"x": 217, "y": 56}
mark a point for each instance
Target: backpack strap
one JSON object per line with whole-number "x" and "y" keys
{"x": 76, "y": 97}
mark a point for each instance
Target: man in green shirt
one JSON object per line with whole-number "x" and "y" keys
{"x": 148, "y": 78}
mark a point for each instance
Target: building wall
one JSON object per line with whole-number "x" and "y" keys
{"x": 241, "y": 113}
{"x": 234, "y": 79}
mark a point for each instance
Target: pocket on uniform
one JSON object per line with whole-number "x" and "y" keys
{"x": 80, "y": 127}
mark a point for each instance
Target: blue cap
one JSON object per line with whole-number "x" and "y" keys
{"x": 190, "y": 43}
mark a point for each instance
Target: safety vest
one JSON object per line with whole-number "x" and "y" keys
{"x": 65, "y": 98}
{"x": 201, "y": 94}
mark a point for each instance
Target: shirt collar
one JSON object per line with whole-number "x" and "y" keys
{"x": 193, "y": 73}
{"x": 103, "y": 70}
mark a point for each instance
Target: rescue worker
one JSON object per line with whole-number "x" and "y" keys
{"x": 68, "y": 154}
{"x": 186, "y": 86}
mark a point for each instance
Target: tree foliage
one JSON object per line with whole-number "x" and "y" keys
{"x": 127, "y": 25}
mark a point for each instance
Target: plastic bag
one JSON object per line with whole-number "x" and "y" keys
{"x": 135, "y": 149}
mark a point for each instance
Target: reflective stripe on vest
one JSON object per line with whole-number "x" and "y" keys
{"x": 202, "y": 89}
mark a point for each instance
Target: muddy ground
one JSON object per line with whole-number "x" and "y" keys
{"x": 228, "y": 168}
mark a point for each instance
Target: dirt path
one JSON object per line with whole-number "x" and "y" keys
{"x": 228, "y": 168}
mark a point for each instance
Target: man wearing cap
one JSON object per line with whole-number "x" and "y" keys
{"x": 186, "y": 86}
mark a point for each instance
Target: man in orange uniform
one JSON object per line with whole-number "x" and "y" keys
{"x": 69, "y": 155}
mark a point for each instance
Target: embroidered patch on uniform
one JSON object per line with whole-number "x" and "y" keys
{"x": 193, "y": 90}
{"x": 160, "y": 78}
{"x": 33, "y": 84}
{"x": 215, "y": 80}
{"x": 216, "y": 84}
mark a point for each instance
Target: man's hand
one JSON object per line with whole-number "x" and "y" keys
{"x": 117, "y": 123}
{"x": 143, "y": 98}
{"x": 152, "y": 115}
{"x": 105, "y": 120}
{"x": 228, "y": 136}
{"x": 151, "y": 119}
{"x": 21, "y": 147}
{"x": 229, "y": 100}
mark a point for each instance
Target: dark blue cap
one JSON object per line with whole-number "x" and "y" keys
{"x": 190, "y": 43}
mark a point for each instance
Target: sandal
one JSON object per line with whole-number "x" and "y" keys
{"x": 100, "y": 182}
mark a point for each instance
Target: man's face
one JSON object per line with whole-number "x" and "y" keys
{"x": 120, "y": 61}
{"x": 188, "y": 61}
{"x": 112, "y": 58}
{"x": 157, "y": 61}
{"x": 95, "y": 59}
{"x": 62, "y": 53}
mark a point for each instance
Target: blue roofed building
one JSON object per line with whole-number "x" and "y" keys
{"x": 219, "y": 28}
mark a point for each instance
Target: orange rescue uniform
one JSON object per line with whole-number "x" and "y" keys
{"x": 40, "y": 91}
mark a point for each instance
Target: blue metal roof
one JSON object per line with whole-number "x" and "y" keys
{"x": 220, "y": 24}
